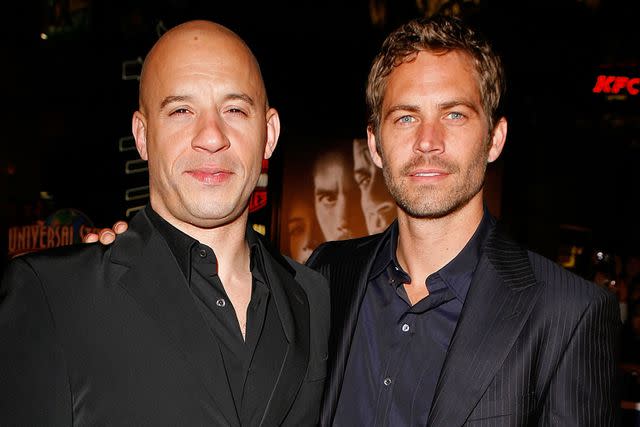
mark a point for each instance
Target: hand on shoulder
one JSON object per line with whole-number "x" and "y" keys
{"x": 106, "y": 236}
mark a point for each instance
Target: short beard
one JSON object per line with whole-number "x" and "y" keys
{"x": 429, "y": 204}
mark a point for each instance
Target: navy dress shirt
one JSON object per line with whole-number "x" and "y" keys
{"x": 398, "y": 349}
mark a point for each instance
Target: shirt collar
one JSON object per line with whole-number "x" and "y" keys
{"x": 456, "y": 274}
{"x": 181, "y": 244}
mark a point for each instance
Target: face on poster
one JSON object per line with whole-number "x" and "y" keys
{"x": 332, "y": 190}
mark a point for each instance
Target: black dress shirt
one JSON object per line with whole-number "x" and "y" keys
{"x": 398, "y": 349}
{"x": 252, "y": 364}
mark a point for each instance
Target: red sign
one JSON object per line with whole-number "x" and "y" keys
{"x": 617, "y": 84}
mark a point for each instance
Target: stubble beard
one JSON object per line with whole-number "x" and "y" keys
{"x": 434, "y": 201}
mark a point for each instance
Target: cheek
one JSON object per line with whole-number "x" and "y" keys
{"x": 165, "y": 159}
{"x": 323, "y": 212}
{"x": 251, "y": 157}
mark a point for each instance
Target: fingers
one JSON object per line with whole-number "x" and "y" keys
{"x": 107, "y": 236}
{"x": 120, "y": 227}
{"x": 90, "y": 238}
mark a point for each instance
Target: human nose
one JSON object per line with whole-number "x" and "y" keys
{"x": 429, "y": 138}
{"x": 342, "y": 211}
{"x": 210, "y": 135}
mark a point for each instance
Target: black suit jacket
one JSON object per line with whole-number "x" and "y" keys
{"x": 534, "y": 345}
{"x": 110, "y": 335}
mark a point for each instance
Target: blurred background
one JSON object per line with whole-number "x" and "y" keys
{"x": 566, "y": 184}
{"x": 568, "y": 175}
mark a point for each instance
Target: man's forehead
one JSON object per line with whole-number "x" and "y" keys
{"x": 207, "y": 50}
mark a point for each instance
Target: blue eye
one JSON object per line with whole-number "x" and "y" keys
{"x": 406, "y": 119}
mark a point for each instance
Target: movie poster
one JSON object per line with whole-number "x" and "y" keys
{"x": 332, "y": 190}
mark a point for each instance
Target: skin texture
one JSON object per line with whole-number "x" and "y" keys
{"x": 435, "y": 144}
{"x": 434, "y": 138}
{"x": 377, "y": 205}
{"x": 203, "y": 125}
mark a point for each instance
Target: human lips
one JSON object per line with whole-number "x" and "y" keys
{"x": 428, "y": 173}
{"x": 435, "y": 168}
{"x": 210, "y": 175}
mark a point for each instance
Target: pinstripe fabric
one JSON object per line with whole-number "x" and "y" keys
{"x": 347, "y": 293}
{"x": 534, "y": 345}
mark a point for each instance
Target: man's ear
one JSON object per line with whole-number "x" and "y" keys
{"x": 273, "y": 132}
{"x": 497, "y": 140}
{"x": 139, "y": 130}
{"x": 373, "y": 148}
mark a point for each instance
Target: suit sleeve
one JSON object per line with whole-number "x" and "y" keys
{"x": 583, "y": 391}
{"x": 34, "y": 386}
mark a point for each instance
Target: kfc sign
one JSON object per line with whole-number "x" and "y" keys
{"x": 617, "y": 85}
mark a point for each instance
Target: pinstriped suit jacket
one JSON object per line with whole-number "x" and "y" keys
{"x": 535, "y": 344}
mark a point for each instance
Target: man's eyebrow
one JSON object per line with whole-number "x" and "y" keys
{"x": 402, "y": 107}
{"x": 241, "y": 96}
{"x": 324, "y": 191}
{"x": 457, "y": 103}
{"x": 441, "y": 106}
{"x": 173, "y": 98}
{"x": 187, "y": 98}
{"x": 361, "y": 170}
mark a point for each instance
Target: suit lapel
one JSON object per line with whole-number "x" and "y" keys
{"x": 156, "y": 283}
{"x": 293, "y": 309}
{"x": 346, "y": 300}
{"x": 500, "y": 298}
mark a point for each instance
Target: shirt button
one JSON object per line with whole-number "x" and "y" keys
{"x": 221, "y": 302}
{"x": 203, "y": 253}
{"x": 387, "y": 381}
{"x": 405, "y": 328}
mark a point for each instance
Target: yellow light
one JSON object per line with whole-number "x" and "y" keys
{"x": 260, "y": 228}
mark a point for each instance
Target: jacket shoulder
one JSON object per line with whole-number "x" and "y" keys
{"x": 339, "y": 251}
{"x": 308, "y": 277}
{"x": 78, "y": 254}
{"x": 565, "y": 282}
{"x": 522, "y": 267}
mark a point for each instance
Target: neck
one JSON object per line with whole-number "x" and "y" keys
{"x": 228, "y": 242}
{"x": 425, "y": 245}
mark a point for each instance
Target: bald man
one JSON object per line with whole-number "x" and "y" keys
{"x": 190, "y": 318}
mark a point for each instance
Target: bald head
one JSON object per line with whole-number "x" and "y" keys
{"x": 203, "y": 125}
{"x": 198, "y": 42}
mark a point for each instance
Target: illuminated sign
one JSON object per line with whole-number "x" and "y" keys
{"x": 617, "y": 85}
{"x": 63, "y": 227}
{"x": 259, "y": 195}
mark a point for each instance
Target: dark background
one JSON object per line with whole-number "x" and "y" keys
{"x": 569, "y": 166}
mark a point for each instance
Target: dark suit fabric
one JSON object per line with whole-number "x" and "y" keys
{"x": 535, "y": 344}
{"x": 111, "y": 336}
